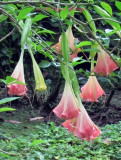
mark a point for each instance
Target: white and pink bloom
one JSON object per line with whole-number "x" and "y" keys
{"x": 18, "y": 73}
{"x": 105, "y": 65}
{"x": 82, "y": 126}
{"x": 92, "y": 90}
{"x": 71, "y": 40}
{"x": 68, "y": 106}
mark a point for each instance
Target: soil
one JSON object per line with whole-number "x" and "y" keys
{"x": 98, "y": 112}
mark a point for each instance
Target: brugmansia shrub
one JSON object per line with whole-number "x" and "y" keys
{"x": 65, "y": 51}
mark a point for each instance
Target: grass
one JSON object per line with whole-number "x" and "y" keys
{"x": 46, "y": 141}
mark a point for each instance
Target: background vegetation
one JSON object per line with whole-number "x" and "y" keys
{"x": 35, "y": 140}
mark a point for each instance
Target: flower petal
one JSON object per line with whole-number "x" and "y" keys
{"x": 82, "y": 126}
{"x": 91, "y": 91}
{"x": 18, "y": 73}
{"x": 68, "y": 106}
{"x": 105, "y": 65}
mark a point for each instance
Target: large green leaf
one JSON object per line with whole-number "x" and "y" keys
{"x": 38, "y": 17}
{"x": 64, "y": 13}
{"x": 44, "y": 64}
{"x": 107, "y": 7}
{"x": 3, "y": 17}
{"x": 74, "y": 80}
{"x": 118, "y": 4}
{"x": 83, "y": 43}
{"x": 65, "y": 47}
{"x": 26, "y": 31}
{"x": 5, "y": 100}
{"x": 24, "y": 12}
{"x": 89, "y": 18}
{"x": 10, "y": 8}
{"x": 5, "y": 109}
{"x": 104, "y": 14}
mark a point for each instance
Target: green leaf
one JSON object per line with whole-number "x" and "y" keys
{"x": 5, "y": 109}
{"x": 74, "y": 79}
{"x": 10, "y": 9}
{"x": 38, "y": 142}
{"x": 5, "y": 100}
{"x": 63, "y": 71}
{"x": 24, "y": 12}
{"x": 4, "y": 155}
{"x": 89, "y": 50}
{"x": 46, "y": 31}
{"x": 26, "y": 31}
{"x": 104, "y": 14}
{"x": 38, "y": 17}
{"x": 107, "y": 7}
{"x": 118, "y": 4}
{"x": 8, "y": 80}
{"x": 44, "y": 64}
{"x": 89, "y": 18}
{"x": 64, "y": 13}
{"x": 65, "y": 47}
{"x": 94, "y": 50}
{"x": 21, "y": 24}
{"x": 83, "y": 43}
{"x": 50, "y": 10}
{"x": 3, "y": 17}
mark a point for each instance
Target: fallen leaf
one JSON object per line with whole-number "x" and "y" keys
{"x": 36, "y": 119}
{"x": 12, "y": 121}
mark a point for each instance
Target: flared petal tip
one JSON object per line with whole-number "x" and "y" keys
{"x": 92, "y": 90}
{"x": 66, "y": 115}
{"x": 17, "y": 89}
{"x": 89, "y": 135}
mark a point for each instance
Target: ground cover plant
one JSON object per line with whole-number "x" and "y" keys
{"x": 63, "y": 57}
{"x": 47, "y": 141}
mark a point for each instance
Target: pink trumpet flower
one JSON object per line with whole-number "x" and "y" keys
{"x": 71, "y": 40}
{"x": 18, "y": 73}
{"x": 82, "y": 126}
{"x": 105, "y": 65}
{"x": 68, "y": 106}
{"x": 92, "y": 90}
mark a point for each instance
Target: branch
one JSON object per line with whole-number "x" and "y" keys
{"x": 94, "y": 37}
{"x": 7, "y": 35}
{"x": 96, "y": 19}
{"x": 20, "y": 29}
{"x": 116, "y": 46}
{"x": 11, "y": 154}
{"x": 42, "y": 2}
{"x": 83, "y": 32}
{"x": 11, "y": 18}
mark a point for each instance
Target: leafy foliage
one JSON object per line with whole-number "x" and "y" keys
{"x": 47, "y": 141}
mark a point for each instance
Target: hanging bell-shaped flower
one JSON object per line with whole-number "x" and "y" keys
{"x": 18, "y": 73}
{"x": 68, "y": 106}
